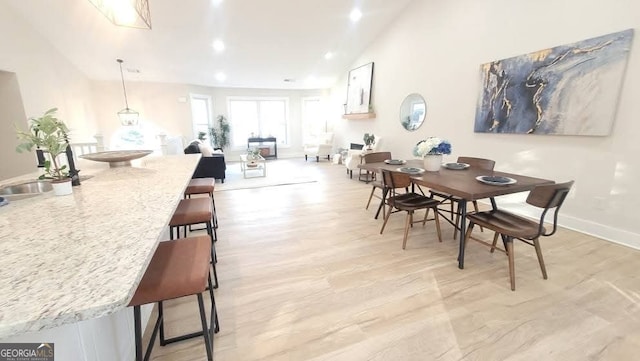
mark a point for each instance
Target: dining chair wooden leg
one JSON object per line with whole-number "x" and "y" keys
{"x": 406, "y": 229}
{"x": 512, "y": 268}
{"x": 475, "y": 208}
{"x": 495, "y": 241}
{"x": 373, "y": 189}
{"x": 455, "y": 228}
{"x": 437, "y": 220}
{"x": 386, "y": 218}
{"x": 382, "y": 201}
{"x": 451, "y": 214}
{"x": 536, "y": 244}
{"x": 467, "y": 235}
{"x": 426, "y": 214}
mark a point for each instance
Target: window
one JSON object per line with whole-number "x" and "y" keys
{"x": 200, "y": 114}
{"x": 260, "y": 117}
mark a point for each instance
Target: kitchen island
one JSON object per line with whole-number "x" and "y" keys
{"x": 65, "y": 259}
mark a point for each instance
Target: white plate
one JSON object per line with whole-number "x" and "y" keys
{"x": 395, "y": 161}
{"x": 495, "y": 180}
{"x": 410, "y": 170}
{"x": 456, "y": 166}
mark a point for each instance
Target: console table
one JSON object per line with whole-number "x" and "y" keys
{"x": 269, "y": 144}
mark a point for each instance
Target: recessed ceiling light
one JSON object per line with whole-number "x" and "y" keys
{"x": 221, "y": 77}
{"x": 328, "y": 55}
{"x": 355, "y": 15}
{"x": 216, "y": 3}
{"x": 218, "y": 46}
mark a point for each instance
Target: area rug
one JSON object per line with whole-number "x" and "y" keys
{"x": 279, "y": 173}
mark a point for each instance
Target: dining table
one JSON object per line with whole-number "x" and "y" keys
{"x": 463, "y": 184}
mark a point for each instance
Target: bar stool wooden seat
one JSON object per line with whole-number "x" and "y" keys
{"x": 203, "y": 186}
{"x": 195, "y": 211}
{"x": 178, "y": 268}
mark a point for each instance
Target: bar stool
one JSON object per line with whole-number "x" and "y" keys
{"x": 178, "y": 268}
{"x": 195, "y": 211}
{"x": 203, "y": 186}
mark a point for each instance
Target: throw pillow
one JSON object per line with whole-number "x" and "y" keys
{"x": 206, "y": 150}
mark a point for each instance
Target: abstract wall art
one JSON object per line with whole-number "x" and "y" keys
{"x": 570, "y": 89}
{"x": 359, "y": 89}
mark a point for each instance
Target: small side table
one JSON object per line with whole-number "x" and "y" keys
{"x": 261, "y": 166}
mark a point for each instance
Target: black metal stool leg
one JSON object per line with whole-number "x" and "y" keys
{"x": 214, "y": 257}
{"x": 161, "y": 317}
{"x": 215, "y": 214}
{"x": 138, "y": 332}
{"x": 214, "y": 309}
{"x": 208, "y": 341}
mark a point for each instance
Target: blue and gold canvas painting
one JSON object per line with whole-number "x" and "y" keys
{"x": 570, "y": 89}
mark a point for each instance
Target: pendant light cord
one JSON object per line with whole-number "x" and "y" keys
{"x": 126, "y": 103}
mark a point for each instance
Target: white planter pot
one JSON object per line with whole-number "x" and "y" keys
{"x": 62, "y": 188}
{"x": 432, "y": 162}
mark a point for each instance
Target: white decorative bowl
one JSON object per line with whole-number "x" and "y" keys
{"x": 117, "y": 158}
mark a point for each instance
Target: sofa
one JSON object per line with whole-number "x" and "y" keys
{"x": 211, "y": 165}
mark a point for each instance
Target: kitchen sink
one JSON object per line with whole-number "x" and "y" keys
{"x": 25, "y": 190}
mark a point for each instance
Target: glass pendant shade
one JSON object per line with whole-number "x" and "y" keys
{"x": 128, "y": 13}
{"x": 128, "y": 117}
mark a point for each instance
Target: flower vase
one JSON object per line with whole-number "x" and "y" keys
{"x": 432, "y": 162}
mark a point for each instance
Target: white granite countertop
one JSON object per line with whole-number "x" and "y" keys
{"x": 69, "y": 258}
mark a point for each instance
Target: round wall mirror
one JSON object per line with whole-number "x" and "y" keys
{"x": 412, "y": 112}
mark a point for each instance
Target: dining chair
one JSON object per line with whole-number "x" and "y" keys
{"x": 479, "y": 163}
{"x": 406, "y": 202}
{"x": 511, "y": 226}
{"x": 372, "y": 157}
{"x": 376, "y": 182}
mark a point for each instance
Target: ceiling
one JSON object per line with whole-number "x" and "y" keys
{"x": 266, "y": 41}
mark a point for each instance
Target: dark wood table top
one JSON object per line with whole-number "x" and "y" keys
{"x": 463, "y": 183}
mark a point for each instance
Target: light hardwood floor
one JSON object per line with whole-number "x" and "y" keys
{"x": 305, "y": 275}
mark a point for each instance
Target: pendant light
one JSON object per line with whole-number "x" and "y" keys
{"x": 127, "y": 116}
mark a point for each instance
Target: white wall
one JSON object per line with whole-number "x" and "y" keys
{"x": 436, "y": 48}
{"x": 162, "y": 111}
{"x": 45, "y": 77}
{"x": 11, "y": 108}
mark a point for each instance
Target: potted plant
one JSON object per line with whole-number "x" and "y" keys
{"x": 220, "y": 134}
{"x": 49, "y": 134}
{"x": 253, "y": 154}
{"x": 202, "y": 136}
{"x": 369, "y": 139}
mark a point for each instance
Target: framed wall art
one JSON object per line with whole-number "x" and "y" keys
{"x": 570, "y": 89}
{"x": 359, "y": 89}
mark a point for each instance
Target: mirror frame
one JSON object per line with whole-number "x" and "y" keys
{"x": 408, "y": 107}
